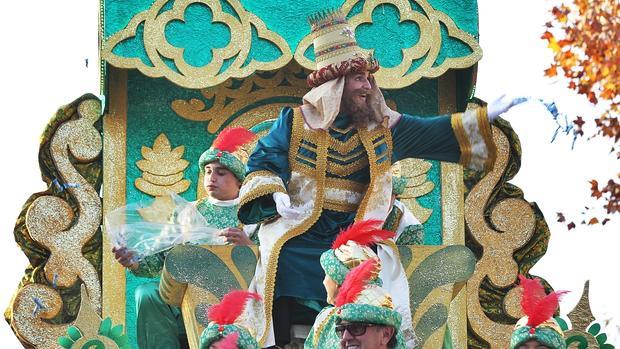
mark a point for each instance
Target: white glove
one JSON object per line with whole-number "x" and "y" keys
{"x": 502, "y": 105}
{"x": 283, "y": 206}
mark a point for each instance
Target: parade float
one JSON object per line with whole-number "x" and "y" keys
{"x": 174, "y": 74}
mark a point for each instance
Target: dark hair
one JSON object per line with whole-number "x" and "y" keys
{"x": 392, "y": 343}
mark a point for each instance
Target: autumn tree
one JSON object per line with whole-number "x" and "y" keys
{"x": 585, "y": 37}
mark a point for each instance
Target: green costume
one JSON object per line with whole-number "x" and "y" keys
{"x": 159, "y": 325}
{"x": 351, "y": 248}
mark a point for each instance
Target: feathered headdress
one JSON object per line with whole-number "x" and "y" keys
{"x": 232, "y": 138}
{"x": 231, "y": 306}
{"x": 225, "y": 149}
{"x": 365, "y": 233}
{"x": 356, "y": 281}
{"x": 361, "y": 300}
{"x": 536, "y": 304}
{"x": 352, "y": 247}
{"x": 225, "y": 326}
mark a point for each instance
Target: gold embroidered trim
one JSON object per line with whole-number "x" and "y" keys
{"x": 343, "y": 131}
{"x": 261, "y": 191}
{"x": 306, "y": 159}
{"x": 348, "y": 169}
{"x": 297, "y": 132}
{"x": 345, "y": 147}
{"x": 341, "y": 157}
{"x": 339, "y": 206}
{"x": 345, "y": 184}
{"x": 487, "y": 135}
{"x": 459, "y": 131}
{"x": 368, "y": 138}
{"x": 272, "y": 263}
{"x": 319, "y": 330}
{"x": 260, "y": 173}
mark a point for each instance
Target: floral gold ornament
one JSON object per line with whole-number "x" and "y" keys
{"x": 426, "y": 50}
{"x": 415, "y": 172}
{"x": 233, "y": 60}
{"x": 162, "y": 168}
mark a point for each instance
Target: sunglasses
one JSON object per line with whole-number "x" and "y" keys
{"x": 355, "y": 329}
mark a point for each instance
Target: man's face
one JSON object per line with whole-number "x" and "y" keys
{"x": 363, "y": 336}
{"x": 354, "y": 97}
{"x": 220, "y": 183}
{"x": 532, "y": 344}
{"x": 332, "y": 289}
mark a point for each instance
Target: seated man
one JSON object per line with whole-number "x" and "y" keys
{"x": 160, "y": 325}
{"x": 537, "y": 329}
{"x": 327, "y": 164}
{"x": 227, "y": 328}
{"x": 366, "y": 317}
{"x": 350, "y": 249}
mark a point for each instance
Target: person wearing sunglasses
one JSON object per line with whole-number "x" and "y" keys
{"x": 351, "y": 248}
{"x": 366, "y": 318}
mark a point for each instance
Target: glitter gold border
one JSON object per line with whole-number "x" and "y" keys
{"x": 114, "y": 193}
{"x": 453, "y": 221}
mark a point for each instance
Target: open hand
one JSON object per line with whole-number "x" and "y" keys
{"x": 235, "y": 236}
{"x": 125, "y": 257}
{"x": 502, "y": 105}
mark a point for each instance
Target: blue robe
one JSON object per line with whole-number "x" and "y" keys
{"x": 299, "y": 272}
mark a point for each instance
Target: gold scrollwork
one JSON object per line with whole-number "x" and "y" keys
{"x": 63, "y": 230}
{"x": 228, "y": 101}
{"x": 427, "y": 47}
{"x": 158, "y": 48}
{"x": 513, "y": 224}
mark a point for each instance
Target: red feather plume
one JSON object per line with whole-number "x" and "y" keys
{"x": 230, "y": 307}
{"x": 365, "y": 233}
{"x": 535, "y": 303}
{"x": 231, "y": 138}
{"x": 229, "y": 342}
{"x": 355, "y": 281}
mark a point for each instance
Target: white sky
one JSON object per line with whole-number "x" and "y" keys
{"x": 43, "y": 66}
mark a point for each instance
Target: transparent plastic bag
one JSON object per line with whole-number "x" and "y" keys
{"x": 151, "y": 226}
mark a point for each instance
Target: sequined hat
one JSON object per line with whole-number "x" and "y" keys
{"x": 227, "y": 148}
{"x": 225, "y": 319}
{"x": 335, "y": 48}
{"x": 359, "y": 300}
{"x": 352, "y": 247}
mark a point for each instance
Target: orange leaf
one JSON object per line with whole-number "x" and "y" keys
{"x": 552, "y": 71}
{"x": 593, "y": 221}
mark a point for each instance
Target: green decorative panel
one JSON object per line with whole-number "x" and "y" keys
{"x": 198, "y": 44}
